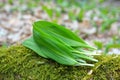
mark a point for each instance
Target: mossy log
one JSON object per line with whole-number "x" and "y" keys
{"x": 21, "y": 63}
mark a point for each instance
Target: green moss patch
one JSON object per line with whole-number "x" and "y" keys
{"x": 21, "y": 63}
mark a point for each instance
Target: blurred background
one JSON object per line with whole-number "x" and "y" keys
{"x": 96, "y": 21}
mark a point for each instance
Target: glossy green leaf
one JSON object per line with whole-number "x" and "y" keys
{"x": 59, "y": 44}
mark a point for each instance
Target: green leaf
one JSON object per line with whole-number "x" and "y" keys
{"x": 98, "y": 44}
{"x": 61, "y": 30}
{"x": 30, "y": 43}
{"x": 109, "y": 46}
{"x": 59, "y": 44}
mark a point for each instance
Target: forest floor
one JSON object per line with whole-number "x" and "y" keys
{"x": 98, "y": 22}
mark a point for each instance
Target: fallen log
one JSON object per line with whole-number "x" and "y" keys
{"x": 20, "y": 63}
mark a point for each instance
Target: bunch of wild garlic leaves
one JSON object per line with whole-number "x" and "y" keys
{"x": 53, "y": 41}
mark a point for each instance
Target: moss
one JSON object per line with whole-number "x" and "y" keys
{"x": 20, "y": 63}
